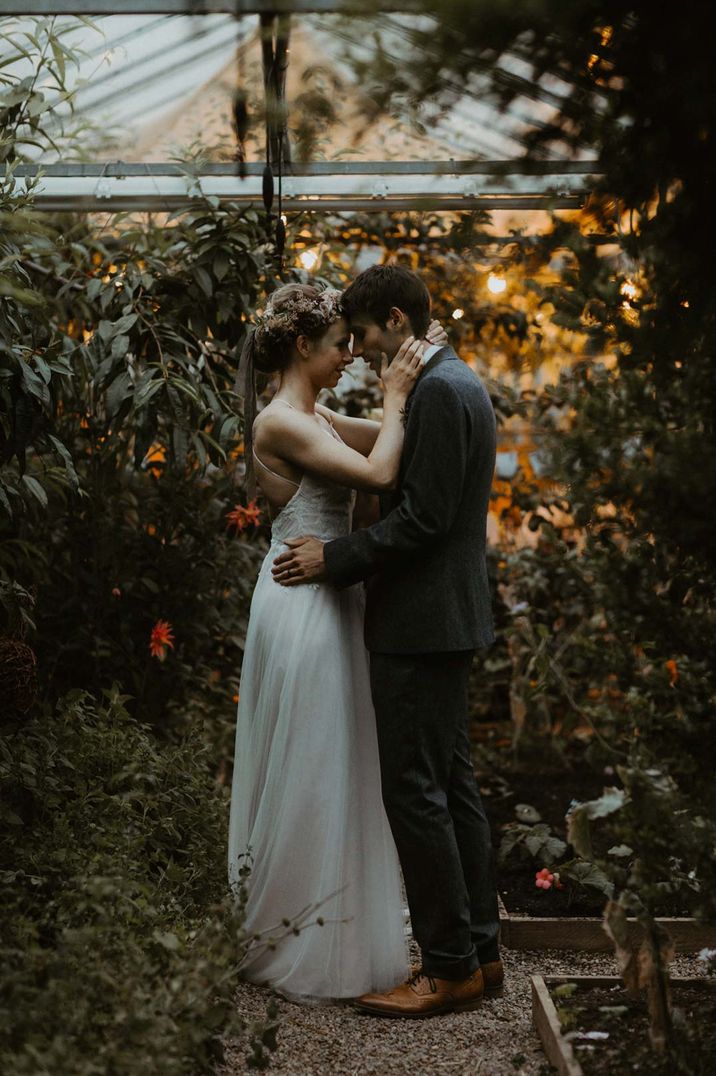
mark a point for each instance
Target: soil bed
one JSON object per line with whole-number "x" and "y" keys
{"x": 551, "y": 795}
{"x": 618, "y": 1030}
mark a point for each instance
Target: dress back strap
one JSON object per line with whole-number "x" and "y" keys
{"x": 274, "y": 473}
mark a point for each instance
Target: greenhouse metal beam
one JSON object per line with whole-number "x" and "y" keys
{"x": 187, "y": 7}
{"x": 368, "y": 186}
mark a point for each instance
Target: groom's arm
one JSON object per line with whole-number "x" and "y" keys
{"x": 435, "y": 460}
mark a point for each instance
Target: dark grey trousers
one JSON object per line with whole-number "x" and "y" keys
{"x": 434, "y": 808}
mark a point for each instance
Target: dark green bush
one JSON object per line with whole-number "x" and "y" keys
{"x": 119, "y": 947}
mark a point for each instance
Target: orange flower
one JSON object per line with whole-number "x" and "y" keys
{"x": 157, "y": 455}
{"x": 162, "y": 636}
{"x": 242, "y": 517}
{"x": 673, "y": 670}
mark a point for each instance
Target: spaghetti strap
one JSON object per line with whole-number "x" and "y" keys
{"x": 333, "y": 432}
{"x": 328, "y": 417}
{"x": 274, "y": 473}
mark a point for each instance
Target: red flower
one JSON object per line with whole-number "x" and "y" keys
{"x": 673, "y": 670}
{"x": 162, "y": 636}
{"x": 544, "y": 879}
{"x": 242, "y": 516}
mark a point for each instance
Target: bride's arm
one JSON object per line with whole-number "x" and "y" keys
{"x": 362, "y": 433}
{"x": 294, "y": 436}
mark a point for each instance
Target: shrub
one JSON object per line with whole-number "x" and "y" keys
{"x": 119, "y": 945}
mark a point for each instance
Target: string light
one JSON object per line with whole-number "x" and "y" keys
{"x": 629, "y": 289}
{"x": 309, "y": 259}
{"x": 458, "y": 313}
{"x": 496, "y": 284}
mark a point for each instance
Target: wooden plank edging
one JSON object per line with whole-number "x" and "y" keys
{"x": 546, "y": 1022}
{"x": 587, "y": 934}
{"x": 504, "y": 924}
{"x": 559, "y": 1052}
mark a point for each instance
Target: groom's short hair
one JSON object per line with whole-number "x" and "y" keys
{"x": 376, "y": 290}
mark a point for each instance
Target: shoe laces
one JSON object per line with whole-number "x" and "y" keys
{"x": 420, "y": 974}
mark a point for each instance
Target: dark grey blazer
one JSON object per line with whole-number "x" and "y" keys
{"x": 425, "y": 559}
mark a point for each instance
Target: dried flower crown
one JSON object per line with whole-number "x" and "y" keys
{"x": 322, "y": 310}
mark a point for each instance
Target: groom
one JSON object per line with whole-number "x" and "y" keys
{"x": 427, "y": 611}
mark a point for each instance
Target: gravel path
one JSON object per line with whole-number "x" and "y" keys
{"x": 496, "y": 1040}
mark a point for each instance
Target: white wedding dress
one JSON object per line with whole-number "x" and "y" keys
{"x": 306, "y": 800}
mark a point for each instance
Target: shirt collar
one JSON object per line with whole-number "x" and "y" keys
{"x": 430, "y": 350}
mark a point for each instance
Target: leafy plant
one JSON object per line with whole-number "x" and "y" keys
{"x": 120, "y": 946}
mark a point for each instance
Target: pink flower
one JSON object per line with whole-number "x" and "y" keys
{"x": 544, "y": 879}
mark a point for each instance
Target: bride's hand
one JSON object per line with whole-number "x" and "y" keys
{"x": 436, "y": 334}
{"x": 400, "y": 375}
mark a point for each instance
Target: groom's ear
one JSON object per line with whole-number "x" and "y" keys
{"x": 396, "y": 319}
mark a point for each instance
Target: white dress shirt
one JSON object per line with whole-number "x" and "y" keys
{"x": 430, "y": 351}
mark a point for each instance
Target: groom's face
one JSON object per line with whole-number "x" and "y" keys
{"x": 371, "y": 340}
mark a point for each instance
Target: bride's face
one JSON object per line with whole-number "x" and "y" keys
{"x": 327, "y": 357}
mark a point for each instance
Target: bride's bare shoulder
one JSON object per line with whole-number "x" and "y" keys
{"x": 277, "y": 425}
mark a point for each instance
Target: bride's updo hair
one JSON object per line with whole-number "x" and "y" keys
{"x": 292, "y": 310}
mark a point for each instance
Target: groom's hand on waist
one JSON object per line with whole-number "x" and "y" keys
{"x": 303, "y": 563}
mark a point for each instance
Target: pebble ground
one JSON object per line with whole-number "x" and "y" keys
{"x": 496, "y": 1040}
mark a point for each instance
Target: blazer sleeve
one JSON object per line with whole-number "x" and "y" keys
{"x": 436, "y": 453}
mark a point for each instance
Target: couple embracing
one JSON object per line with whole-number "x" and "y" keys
{"x": 352, "y": 752}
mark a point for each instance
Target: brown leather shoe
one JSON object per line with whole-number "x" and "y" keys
{"x": 424, "y": 995}
{"x": 493, "y": 975}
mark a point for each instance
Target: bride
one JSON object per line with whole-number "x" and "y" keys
{"x": 306, "y": 807}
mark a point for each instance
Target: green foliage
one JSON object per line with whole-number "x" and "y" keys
{"x": 120, "y": 446}
{"x": 538, "y": 840}
{"x": 120, "y": 439}
{"x": 120, "y": 948}
{"x": 149, "y": 436}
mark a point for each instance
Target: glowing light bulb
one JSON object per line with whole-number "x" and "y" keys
{"x": 283, "y": 218}
{"x": 496, "y": 284}
{"x": 458, "y": 313}
{"x": 629, "y": 289}
{"x": 308, "y": 259}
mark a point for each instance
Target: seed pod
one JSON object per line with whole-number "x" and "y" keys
{"x": 268, "y": 188}
{"x": 280, "y": 236}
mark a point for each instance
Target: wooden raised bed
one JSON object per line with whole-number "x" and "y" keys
{"x": 587, "y": 934}
{"x": 559, "y": 1051}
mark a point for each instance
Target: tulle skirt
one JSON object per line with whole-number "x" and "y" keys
{"x": 306, "y": 801}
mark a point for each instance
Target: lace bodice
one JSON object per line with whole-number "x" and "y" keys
{"x": 319, "y": 508}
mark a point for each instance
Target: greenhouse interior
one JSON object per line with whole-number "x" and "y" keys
{"x": 368, "y": 734}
